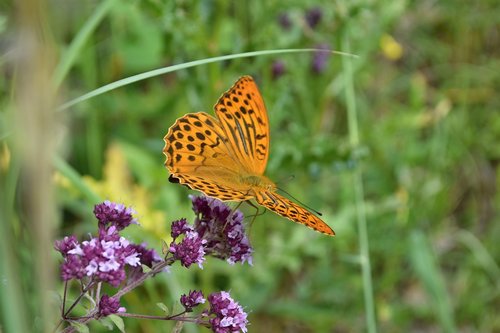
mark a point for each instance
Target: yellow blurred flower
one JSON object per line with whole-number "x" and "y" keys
{"x": 117, "y": 185}
{"x": 391, "y": 49}
{"x": 4, "y": 157}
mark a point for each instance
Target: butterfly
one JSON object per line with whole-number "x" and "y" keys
{"x": 225, "y": 156}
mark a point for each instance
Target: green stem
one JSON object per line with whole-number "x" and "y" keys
{"x": 359, "y": 190}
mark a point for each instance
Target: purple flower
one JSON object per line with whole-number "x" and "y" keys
{"x": 284, "y": 21}
{"x": 73, "y": 267}
{"x": 190, "y": 250}
{"x": 194, "y": 298}
{"x": 147, "y": 256}
{"x": 229, "y": 315}
{"x": 108, "y": 256}
{"x": 201, "y": 205}
{"x": 278, "y": 69}
{"x": 223, "y": 230}
{"x": 320, "y": 59}
{"x": 109, "y": 305}
{"x": 65, "y": 245}
{"x": 180, "y": 227}
{"x": 102, "y": 258}
{"x": 313, "y": 17}
{"x": 114, "y": 214}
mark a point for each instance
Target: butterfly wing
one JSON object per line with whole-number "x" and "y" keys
{"x": 212, "y": 155}
{"x": 199, "y": 156}
{"x": 286, "y": 208}
{"x": 243, "y": 116}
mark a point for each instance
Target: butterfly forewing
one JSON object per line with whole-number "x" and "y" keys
{"x": 198, "y": 156}
{"x": 243, "y": 116}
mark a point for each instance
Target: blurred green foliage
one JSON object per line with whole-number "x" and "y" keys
{"x": 426, "y": 84}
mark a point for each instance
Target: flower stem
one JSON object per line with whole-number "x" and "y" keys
{"x": 90, "y": 285}
{"x": 155, "y": 270}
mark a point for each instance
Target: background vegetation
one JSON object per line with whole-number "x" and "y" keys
{"x": 399, "y": 148}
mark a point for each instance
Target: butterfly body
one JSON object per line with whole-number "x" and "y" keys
{"x": 225, "y": 157}
{"x": 258, "y": 181}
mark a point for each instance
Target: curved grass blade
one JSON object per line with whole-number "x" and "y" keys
{"x": 169, "y": 69}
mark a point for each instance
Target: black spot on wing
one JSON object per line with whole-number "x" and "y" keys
{"x": 173, "y": 179}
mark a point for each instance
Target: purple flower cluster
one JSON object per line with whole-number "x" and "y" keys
{"x": 223, "y": 230}
{"x": 218, "y": 230}
{"x": 109, "y": 305}
{"x": 194, "y": 298}
{"x": 147, "y": 256}
{"x": 114, "y": 214}
{"x": 180, "y": 227}
{"x": 191, "y": 249}
{"x": 225, "y": 315}
{"x": 228, "y": 314}
{"x": 313, "y": 17}
{"x": 320, "y": 59}
{"x": 278, "y": 69}
{"x": 104, "y": 258}
{"x": 284, "y": 21}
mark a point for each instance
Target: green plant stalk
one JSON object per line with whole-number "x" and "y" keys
{"x": 358, "y": 190}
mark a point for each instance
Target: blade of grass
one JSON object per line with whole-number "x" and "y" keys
{"x": 427, "y": 269}
{"x": 169, "y": 69}
{"x": 359, "y": 190}
{"x": 74, "y": 49}
{"x": 483, "y": 257}
{"x": 66, "y": 170}
{"x": 13, "y": 310}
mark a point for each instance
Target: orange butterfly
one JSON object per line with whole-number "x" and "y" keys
{"x": 225, "y": 157}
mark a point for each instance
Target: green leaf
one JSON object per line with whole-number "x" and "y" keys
{"x": 118, "y": 321}
{"x": 106, "y": 322}
{"x": 163, "y": 307}
{"x": 82, "y": 328}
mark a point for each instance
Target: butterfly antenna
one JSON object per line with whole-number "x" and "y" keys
{"x": 300, "y": 202}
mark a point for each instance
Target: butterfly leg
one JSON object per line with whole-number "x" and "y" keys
{"x": 232, "y": 212}
{"x": 257, "y": 211}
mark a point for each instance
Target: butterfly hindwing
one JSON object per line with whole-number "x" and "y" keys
{"x": 287, "y": 208}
